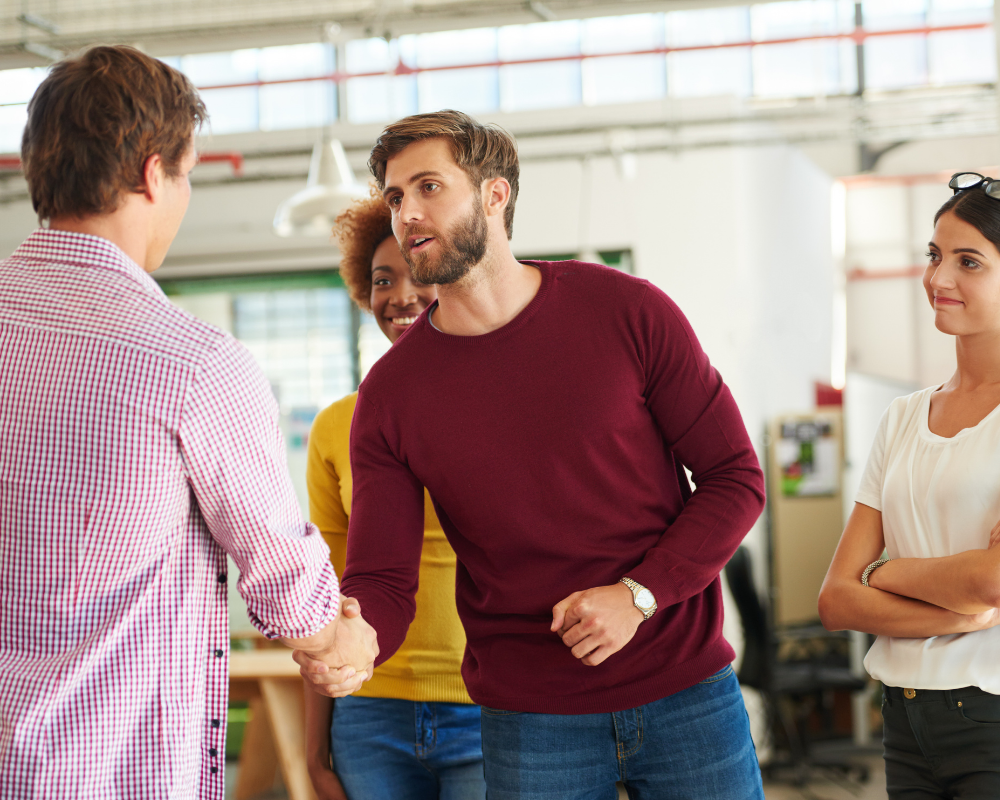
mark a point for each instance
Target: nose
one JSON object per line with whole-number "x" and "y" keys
{"x": 403, "y": 294}
{"x": 409, "y": 210}
{"x": 943, "y": 277}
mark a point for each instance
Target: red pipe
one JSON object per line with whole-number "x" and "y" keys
{"x": 882, "y": 274}
{"x": 852, "y": 181}
{"x": 859, "y": 35}
{"x": 234, "y": 158}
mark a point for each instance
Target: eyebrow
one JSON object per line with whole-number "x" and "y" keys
{"x": 376, "y": 269}
{"x": 411, "y": 181}
{"x": 958, "y": 250}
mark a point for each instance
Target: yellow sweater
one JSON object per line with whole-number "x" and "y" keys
{"x": 427, "y": 668}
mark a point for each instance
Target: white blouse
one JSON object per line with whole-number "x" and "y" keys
{"x": 938, "y": 496}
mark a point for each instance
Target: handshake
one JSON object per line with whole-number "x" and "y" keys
{"x": 341, "y": 657}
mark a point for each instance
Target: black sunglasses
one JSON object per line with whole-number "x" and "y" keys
{"x": 961, "y": 181}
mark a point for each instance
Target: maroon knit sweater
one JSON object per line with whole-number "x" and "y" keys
{"x": 548, "y": 446}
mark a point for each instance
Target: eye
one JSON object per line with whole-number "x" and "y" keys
{"x": 968, "y": 263}
{"x": 430, "y": 187}
{"x": 933, "y": 257}
{"x": 394, "y": 201}
{"x": 380, "y": 282}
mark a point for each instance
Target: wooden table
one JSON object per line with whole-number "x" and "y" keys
{"x": 275, "y": 735}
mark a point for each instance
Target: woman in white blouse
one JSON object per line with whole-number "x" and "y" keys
{"x": 930, "y": 497}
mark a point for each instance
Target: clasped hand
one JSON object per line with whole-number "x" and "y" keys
{"x": 596, "y": 623}
{"x": 343, "y": 666}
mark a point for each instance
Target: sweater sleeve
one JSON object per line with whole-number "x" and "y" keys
{"x": 703, "y": 428}
{"x": 386, "y": 532}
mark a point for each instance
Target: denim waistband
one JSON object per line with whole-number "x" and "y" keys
{"x": 896, "y": 694}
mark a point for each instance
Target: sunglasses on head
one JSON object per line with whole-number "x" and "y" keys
{"x": 961, "y": 181}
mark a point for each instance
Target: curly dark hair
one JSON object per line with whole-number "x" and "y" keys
{"x": 359, "y": 230}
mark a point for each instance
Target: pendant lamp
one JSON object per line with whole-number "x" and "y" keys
{"x": 330, "y": 188}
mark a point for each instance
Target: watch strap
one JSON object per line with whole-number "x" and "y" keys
{"x": 637, "y": 587}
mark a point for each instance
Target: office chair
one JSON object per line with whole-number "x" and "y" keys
{"x": 775, "y": 680}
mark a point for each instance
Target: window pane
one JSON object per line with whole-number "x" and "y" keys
{"x": 539, "y": 40}
{"x": 297, "y": 105}
{"x": 892, "y": 62}
{"x": 12, "y": 122}
{"x": 301, "y": 339}
{"x": 889, "y": 14}
{"x": 622, "y": 34}
{"x": 368, "y": 55}
{"x": 372, "y": 343}
{"x": 216, "y": 69}
{"x": 707, "y": 26}
{"x": 295, "y": 61}
{"x": 448, "y": 48}
{"x": 959, "y": 12}
{"x": 471, "y": 90}
{"x": 528, "y": 86}
{"x": 380, "y": 98}
{"x": 962, "y": 57}
{"x": 709, "y": 72}
{"x": 624, "y": 79}
{"x": 231, "y": 110}
{"x": 18, "y": 85}
{"x": 798, "y": 69}
{"x": 800, "y": 18}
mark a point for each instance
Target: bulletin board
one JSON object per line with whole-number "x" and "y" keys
{"x": 805, "y": 485}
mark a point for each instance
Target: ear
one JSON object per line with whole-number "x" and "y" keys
{"x": 496, "y": 194}
{"x": 153, "y": 176}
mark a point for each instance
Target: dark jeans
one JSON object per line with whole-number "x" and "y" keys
{"x": 941, "y": 744}
{"x": 387, "y": 749}
{"x": 693, "y": 745}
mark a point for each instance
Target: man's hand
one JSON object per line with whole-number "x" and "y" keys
{"x": 597, "y": 622}
{"x": 348, "y": 662}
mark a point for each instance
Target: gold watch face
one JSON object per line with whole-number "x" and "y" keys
{"x": 644, "y": 599}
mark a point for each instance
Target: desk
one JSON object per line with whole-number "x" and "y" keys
{"x": 275, "y": 736}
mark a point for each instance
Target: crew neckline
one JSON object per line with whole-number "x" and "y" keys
{"x": 925, "y": 415}
{"x": 509, "y": 328}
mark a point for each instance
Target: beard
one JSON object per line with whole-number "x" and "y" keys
{"x": 460, "y": 251}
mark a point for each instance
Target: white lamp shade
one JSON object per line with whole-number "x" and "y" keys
{"x": 330, "y": 188}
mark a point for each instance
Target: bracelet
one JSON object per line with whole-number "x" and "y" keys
{"x": 871, "y": 568}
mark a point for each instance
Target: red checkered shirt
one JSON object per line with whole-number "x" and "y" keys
{"x": 138, "y": 445}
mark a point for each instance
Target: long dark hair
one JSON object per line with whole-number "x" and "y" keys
{"x": 977, "y": 208}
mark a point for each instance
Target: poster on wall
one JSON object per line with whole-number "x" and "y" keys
{"x": 807, "y": 456}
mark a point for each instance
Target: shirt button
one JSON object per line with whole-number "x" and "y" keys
{"x": 213, "y": 752}
{"x": 219, "y": 654}
{"x": 213, "y": 770}
{"x": 215, "y": 723}
{"x": 221, "y": 577}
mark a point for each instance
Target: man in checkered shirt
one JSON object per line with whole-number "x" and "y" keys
{"x": 138, "y": 446}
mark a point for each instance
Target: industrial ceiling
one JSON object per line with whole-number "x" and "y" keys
{"x": 34, "y": 32}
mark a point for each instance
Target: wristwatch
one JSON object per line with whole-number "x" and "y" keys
{"x": 642, "y": 598}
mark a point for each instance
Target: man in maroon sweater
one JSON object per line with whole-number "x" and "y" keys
{"x": 547, "y": 407}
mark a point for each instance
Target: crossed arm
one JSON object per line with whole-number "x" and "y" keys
{"x": 908, "y": 597}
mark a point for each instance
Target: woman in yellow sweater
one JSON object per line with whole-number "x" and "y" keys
{"x": 412, "y": 731}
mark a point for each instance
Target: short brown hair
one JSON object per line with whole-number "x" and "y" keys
{"x": 94, "y": 121}
{"x": 482, "y": 151}
{"x": 359, "y": 230}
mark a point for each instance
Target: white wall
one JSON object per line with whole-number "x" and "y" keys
{"x": 890, "y": 323}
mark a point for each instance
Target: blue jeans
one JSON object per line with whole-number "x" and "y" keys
{"x": 693, "y": 745}
{"x": 387, "y": 749}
